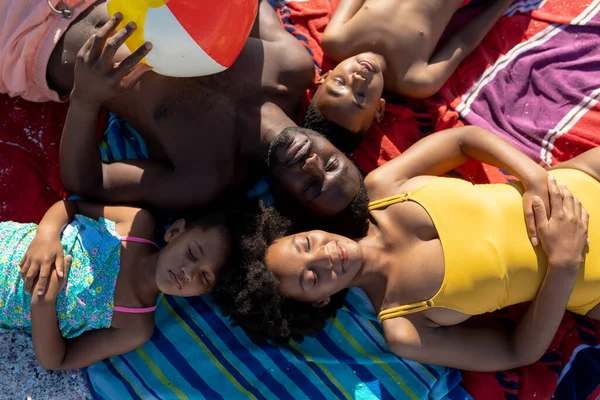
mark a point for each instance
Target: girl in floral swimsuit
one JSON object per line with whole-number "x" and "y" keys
{"x": 99, "y": 300}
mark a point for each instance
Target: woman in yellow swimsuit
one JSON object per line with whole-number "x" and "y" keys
{"x": 440, "y": 250}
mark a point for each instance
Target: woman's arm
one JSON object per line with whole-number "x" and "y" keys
{"x": 427, "y": 75}
{"x": 481, "y": 349}
{"x": 443, "y": 151}
{"x": 446, "y": 150}
{"x": 563, "y": 237}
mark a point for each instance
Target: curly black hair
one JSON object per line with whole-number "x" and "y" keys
{"x": 248, "y": 292}
{"x": 344, "y": 139}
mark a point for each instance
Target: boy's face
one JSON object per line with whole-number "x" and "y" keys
{"x": 350, "y": 94}
{"x": 189, "y": 264}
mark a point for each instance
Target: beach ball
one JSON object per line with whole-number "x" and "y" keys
{"x": 189, "y": 37}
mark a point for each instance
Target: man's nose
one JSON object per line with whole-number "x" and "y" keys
{"x": 314, "y": 166}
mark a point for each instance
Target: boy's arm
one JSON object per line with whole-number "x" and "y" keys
{"x": 345, "y": 10}
{"x": 427, "y": 75}
{"x": 335, "y": 37}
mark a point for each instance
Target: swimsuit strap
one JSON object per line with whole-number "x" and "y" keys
{"x": 399, "y": 198}
{"x": 138, "y": 240}
{"x": 404, "y": 310}
{"x": 135, "y": 310}
{"x": 388, "y": 201}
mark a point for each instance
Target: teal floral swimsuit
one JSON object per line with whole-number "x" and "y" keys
{"x": 87, "y": 302}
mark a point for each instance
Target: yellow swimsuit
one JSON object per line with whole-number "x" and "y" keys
{"x": 488, "y": 258}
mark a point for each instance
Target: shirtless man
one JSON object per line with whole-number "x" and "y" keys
{"x": 392, "y": 46}
{"x": 203, "y": 134}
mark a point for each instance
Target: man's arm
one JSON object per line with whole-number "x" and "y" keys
{"x": 428, "y": 75}
{"x": 98, "y": 79}
{"x": 132, "y": 181}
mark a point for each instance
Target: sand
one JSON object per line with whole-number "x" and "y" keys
{"x": 21, "y": 377}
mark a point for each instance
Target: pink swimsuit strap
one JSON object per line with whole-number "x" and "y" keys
{"x": 136, "y": 310}
{"x": 138, "y": 240}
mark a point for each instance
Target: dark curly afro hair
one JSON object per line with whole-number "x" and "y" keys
{"x": 344, "y": 139}
{"x": 248, "y": 292}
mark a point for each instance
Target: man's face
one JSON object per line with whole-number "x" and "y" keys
{"x": 313, "y": 172}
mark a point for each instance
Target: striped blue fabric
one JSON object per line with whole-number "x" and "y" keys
{"x": 196, "y": 354}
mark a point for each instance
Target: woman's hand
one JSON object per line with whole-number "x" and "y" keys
{"x": 97, "y": 76}
{"x": 536, "y": 186}
{"x": 55, "y": 285}
{"x": 44, "y": 252}
{"x": 564, "y": 234}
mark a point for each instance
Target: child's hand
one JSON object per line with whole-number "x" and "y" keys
{"x": 97, "y": 76}
{"x": 55, "y": 285}
{"x": 44, "y": 252}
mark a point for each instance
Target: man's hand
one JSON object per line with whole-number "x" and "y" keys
{"x": 97, "y": 76}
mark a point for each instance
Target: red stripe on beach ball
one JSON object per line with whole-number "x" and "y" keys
{"x": 220, "y": 27}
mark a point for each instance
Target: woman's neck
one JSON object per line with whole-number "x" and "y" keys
{"x": 372, "y": 277}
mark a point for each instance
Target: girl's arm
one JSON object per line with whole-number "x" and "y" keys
{"x": 446, "y": 150}
{"x": 563, "y": 237}
{"x": 54, "y": 352}
{"x": 57, "y": 217}
{"x": 46, "y": 250}
{"x": 57, "y": 353}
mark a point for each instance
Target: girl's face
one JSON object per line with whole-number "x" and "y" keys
{"x": 312, "y": 266}
{"x": 189, "y": 264}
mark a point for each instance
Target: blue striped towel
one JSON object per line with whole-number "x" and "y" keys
{"x": 196, "y": 354}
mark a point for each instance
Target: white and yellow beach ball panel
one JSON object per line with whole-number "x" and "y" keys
{"x": 189, "y": 37}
